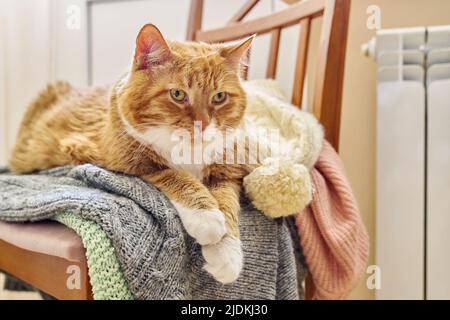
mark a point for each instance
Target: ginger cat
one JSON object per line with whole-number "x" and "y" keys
{"x": 127, "y": 128}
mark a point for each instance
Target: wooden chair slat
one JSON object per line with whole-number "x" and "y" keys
{"x": 195, "y": 19}
{"x": 280, "y": 19}
{"x": 327, "y": 97}
{"x": 300, "y": 65}
{"x": 273, "y": 53}
{"x": 243, "y": 11}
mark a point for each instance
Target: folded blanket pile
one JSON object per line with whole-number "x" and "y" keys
{"x": 157, "y": 258}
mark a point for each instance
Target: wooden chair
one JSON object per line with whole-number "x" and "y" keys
{"x": 327, "y": 97}
{"x": 49, "y": 272}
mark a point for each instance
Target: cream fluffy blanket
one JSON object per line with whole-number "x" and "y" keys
{"x": 282, "y": 185}
{"x": 268, "y": 107}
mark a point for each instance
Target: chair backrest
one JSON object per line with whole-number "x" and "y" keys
{"x": 329, "y": 75}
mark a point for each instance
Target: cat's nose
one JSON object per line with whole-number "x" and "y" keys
{"x": 203, "y": 122}
{"x": 203, "y": 125}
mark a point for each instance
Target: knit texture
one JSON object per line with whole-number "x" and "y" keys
{"x": 281, "y": 185}
{"x": 158, "y": 259}
{"x": 300, "y": 133}
{"x": 333, "y": 237}
{"x": 105, "y": 275}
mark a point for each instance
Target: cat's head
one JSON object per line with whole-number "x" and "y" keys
{"x": 172, "y": 84}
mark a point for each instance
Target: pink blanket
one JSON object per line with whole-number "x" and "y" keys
{"x": 333, "y": 236}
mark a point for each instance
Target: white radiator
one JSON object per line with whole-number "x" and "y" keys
{"x": 413, "y": 162}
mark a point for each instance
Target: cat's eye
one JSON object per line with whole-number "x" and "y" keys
{"x": 219, "y": 97}
{"x": 178, "y": 95}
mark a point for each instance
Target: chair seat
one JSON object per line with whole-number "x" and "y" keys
{"x": 47, "y": 237}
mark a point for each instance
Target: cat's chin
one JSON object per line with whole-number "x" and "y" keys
{"x": 224, "y": 260}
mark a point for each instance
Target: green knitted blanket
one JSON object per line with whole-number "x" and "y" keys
{"x": 106, "y": 277}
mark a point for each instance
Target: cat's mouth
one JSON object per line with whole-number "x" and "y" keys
{"x": 204, "y": 133}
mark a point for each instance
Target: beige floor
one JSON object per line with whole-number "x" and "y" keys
{"x": 12, "y": 295}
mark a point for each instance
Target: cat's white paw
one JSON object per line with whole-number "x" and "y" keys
{"x": 224, "y": 260}
{"x": 205, "y": 226}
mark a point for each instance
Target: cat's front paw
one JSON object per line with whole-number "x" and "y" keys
{"x": 206, "y": 226}
{"x": 224, "y": 260}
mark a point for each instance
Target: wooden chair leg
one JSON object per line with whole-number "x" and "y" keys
{"x": 60, "y": 278}
{"x": 310, "y": 288}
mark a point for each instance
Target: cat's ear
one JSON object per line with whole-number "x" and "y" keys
{"x": 236, "y": 54}
{"x": 151, "y": 48}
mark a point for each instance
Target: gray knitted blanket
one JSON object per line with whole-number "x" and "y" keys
{"x": 158, "y": 259}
